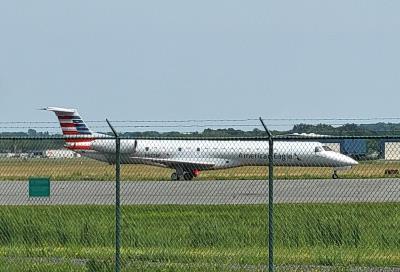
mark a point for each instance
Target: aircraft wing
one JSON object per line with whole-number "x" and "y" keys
{"x": 185, "y": 163}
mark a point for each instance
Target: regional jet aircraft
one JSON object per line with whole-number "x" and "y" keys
{"x": 189, "y": 157}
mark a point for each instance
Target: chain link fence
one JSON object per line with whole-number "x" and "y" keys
{"x": 199, "y": 204}
{"x": 346, "y": 216}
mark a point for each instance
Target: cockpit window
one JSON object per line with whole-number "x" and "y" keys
{"x": 326, "y": 148}
{"x": 318, "y": 149}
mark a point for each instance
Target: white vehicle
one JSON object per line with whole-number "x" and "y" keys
{"x": 189, "y": 157}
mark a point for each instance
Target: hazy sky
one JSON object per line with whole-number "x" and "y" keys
{"x": 200, "y": 59}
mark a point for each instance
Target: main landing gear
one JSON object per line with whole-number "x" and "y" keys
{"x": 184, "y": 175}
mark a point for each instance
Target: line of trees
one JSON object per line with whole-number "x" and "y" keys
{"x": 379, "y": 129}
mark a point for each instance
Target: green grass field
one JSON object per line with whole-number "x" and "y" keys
{"x": 86, "y": 169}
{"x": 198, "y": 238}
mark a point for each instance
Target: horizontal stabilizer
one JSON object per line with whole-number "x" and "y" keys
{"x": 60, "y": 110}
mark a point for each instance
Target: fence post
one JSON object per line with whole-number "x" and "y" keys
{"x": 270, "y": 198}
{"x": 118, "y": 206}
{"x": 117, "y": 199}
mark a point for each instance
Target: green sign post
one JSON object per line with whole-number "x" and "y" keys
{"x": 39, "y": 187}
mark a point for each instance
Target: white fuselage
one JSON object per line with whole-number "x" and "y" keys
{"x": 211, "y": 154}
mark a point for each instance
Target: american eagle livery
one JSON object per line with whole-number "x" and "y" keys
{"x": 189, "y": 157}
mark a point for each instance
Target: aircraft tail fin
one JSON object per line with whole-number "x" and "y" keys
{"x": 70, "y": 121}
{"x": 72, "y": 125}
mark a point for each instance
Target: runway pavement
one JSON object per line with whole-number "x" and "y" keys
{"x": 206, "y": 192}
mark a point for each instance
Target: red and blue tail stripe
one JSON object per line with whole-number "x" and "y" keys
{"x": 73, "y": 125}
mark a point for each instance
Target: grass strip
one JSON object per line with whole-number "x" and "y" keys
{"x": 86, "y": 169}
{"x": 225, "y": 235}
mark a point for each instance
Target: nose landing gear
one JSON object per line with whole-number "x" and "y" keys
{"x": 335, "y": 175}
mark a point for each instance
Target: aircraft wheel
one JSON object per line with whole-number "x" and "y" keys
{"x": 187, "y": 176}
{"x": 335, "y": 175}
{"x": 174, "y": 176}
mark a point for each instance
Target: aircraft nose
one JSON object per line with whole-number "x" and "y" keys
{"x": 341, "y": 160}
{"x": 349, "y": 161}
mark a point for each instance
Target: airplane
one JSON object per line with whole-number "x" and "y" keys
{"x": 189, "y": 157}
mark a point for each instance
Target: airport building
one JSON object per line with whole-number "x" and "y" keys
{"x": 60, "y": 154}
{"x": 354, "y": 147}
{"x": 390, "y": 149}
